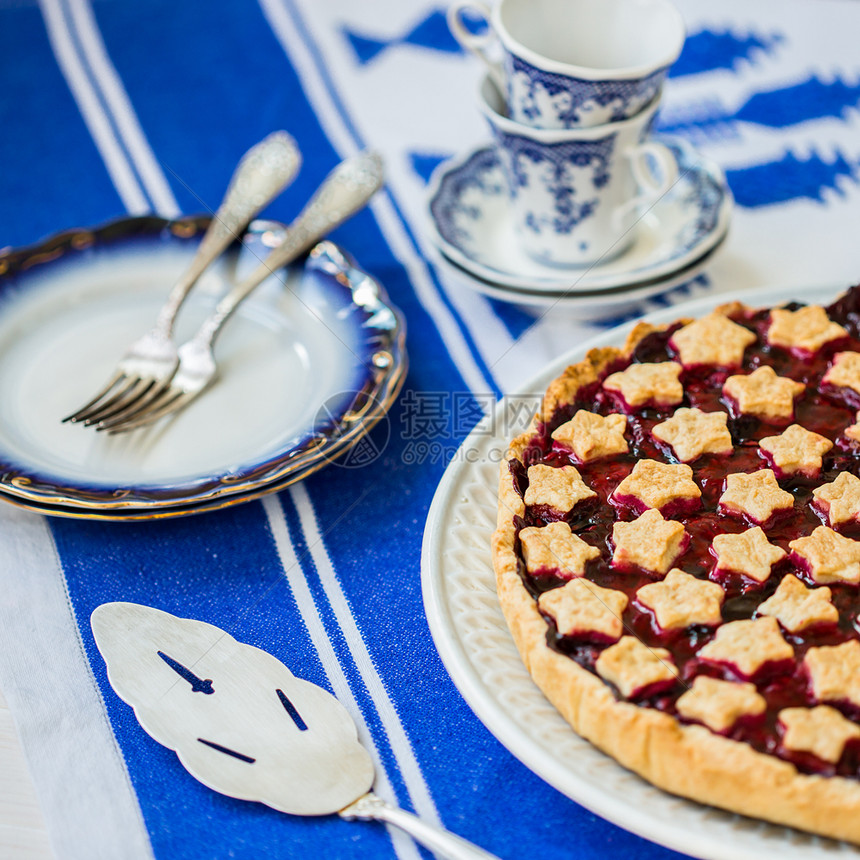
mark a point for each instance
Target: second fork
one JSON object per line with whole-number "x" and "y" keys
{"x": 150, "y": 362}
{"x": 343, "y": 192}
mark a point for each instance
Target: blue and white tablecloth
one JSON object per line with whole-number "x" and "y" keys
{"x": 111, "y": 107}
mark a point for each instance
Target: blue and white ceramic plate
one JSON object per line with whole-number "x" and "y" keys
{"x": 311, "y": 361}
{"x": 160, "y": 512}
{"x": 473, "y": 228}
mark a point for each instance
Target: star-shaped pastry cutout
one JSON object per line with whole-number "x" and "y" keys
{"x": 583, "y": 610}
{"x": 795, "y": 450}
{"x": 756, "y": 496}
{"x": 649, "y": 542}
{"x": 635, "y": 668}
{"x": 828, "y": 556}
{"x": 821, "y": 730}
{"x": 845, "y": 371}
{"x": 591, "y": 436}
{"x": 747, "y": 646}
{"x": 692, "y": 433}
{"x": 720, "y": 704}
{"x": 797, "y": 607}
{"x": 852, "y": 431}
{"x": 764, "y": 394}
{"x": 681, "y": 600}
{"x": 834, "y": 672}
{"x": 748, "y": 553}
{"x": 805, "y": 330}
{"x": 712, "y": 340}
{"x": 653, "y": 484}
{"x": 561, "y": 489}
{"x": 645, "y": 384}
{"x": 839, "y": 500}
{"x": 554, "y": 549}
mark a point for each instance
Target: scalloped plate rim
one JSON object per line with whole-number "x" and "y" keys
{"x": 204, "y": 492}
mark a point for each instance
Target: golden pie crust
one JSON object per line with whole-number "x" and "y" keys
{"x": 687, "y": 759}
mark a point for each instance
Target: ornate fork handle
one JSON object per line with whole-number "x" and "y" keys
{"x": 258, "y": 178}
{"x": 439, "y": 841}
{"x": 345, "y": 190}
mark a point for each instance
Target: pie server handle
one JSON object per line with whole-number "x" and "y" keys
{"x": 439, "y": 841}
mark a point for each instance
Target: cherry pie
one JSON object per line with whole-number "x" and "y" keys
{"x": 678, "y": 557}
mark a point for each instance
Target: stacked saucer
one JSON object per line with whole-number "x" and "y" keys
{"x": 575, "y": 203}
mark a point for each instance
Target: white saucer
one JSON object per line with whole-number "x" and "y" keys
{"x": 472, "y": 227}
{"x": 588, "y": 306}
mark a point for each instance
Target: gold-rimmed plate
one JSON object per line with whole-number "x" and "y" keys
{"x": 308, "y": 365}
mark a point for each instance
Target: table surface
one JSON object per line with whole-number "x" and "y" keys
{"x": 763, "y": 93}
{"x": 22, "y": 827}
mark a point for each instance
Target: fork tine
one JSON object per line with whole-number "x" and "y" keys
{"x": 122, "y": 400}
{"x": 91, "y": 405}
{"x": 262, "y": 173}
{"x": 125, "y": 384}
{"x": 173, "y": 404}
{"x": 164, "y": 396}
{"x": 134, "y": 404}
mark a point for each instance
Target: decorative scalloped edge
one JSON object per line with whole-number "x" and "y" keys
{"x": 379, "y": 392}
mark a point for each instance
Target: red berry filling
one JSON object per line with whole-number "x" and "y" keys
{"x": 821, "y": 409}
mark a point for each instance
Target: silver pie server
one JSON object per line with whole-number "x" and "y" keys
{"x": 244, "y": 725}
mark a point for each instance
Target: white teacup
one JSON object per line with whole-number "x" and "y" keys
{"x": 576, "y": 194}
{"x": 574, "y": 63}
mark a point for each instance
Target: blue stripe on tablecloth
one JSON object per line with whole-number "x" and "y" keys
{"x": 71, "y": 29}
{"x": 79, "y": 584}
{"x": 351, "y": 127}
{"x": 342, "y": 650}
{"x": 189, "y": 567}
{"x": 403, "y": 846}
{"x": 98, "y": 68}
{"x": 44, "y": 146}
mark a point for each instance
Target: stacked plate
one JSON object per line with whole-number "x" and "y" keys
{"x": 473, "y": 229}
{"x": 308, "y": 365}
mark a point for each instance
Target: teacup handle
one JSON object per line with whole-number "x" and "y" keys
{"x": 651, "y": 186}
{"x": 476, "y": 44}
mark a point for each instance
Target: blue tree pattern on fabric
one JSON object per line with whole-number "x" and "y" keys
{"x": 808, "y": 100}
{"x": 424, "y": 163}
{"x": 789, "y": 178}
{"x": 782, "y": 107}
{"x": 709, "y": 50}
{"x": 431, "y": 32}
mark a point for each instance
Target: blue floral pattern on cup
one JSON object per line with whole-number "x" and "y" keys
{"x": 544, "y": 99}
{"x": 575, "y": 193}
{"x": 569, "y": 172}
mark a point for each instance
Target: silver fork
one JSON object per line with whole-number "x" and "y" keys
{"x": 344, "y": 191}
{"x": 150, "y": 362}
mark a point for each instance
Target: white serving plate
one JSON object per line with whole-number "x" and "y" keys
{"x": 476, "y": 647}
